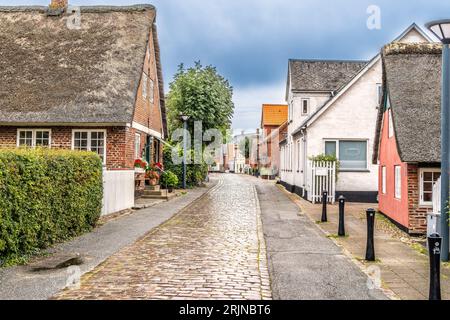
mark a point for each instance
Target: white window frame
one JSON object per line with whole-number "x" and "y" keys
{"x": 33, "y": 136}
{"x": 421, "y": 172}
{"x": 89, "y": 132}
{"x": 137, "y": 146}
{"x": 390, "y": 125}
{"x": 398, "y": 182}
{"x": 307, "y": 106}
{"x": 383, "y": 179}
{"x": 144, "y": 85}
{"x": 337, "y": 152}
{"x": 152, "y": 90}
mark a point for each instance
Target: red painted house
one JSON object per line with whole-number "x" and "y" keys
{"x": 407, "y": 146}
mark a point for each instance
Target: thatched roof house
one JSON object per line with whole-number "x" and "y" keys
{"x": 407, "y": 145}
{"x": 64, "y": 68}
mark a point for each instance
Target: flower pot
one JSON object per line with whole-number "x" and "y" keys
{"x": 170, "y": 189}
{"x": 153, "y": 182}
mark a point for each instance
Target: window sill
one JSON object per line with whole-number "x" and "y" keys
{"x": 426, "y": 206}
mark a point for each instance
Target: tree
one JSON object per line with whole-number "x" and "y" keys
{"x": 202, "y": 94}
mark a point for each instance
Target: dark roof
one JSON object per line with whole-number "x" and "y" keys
{"x": 322, "y": 75}
{"x": 412, "y": 78}
{"x": 52, "y": 74}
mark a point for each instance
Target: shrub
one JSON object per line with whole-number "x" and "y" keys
{"x": 195, "y": 175}
{"x": 46, "y": 196}
{"x": 169, "y": 179}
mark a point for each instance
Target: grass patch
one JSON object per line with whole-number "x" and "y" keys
{"x": 364, "y": 261}
{"x": 419, "y": 248}
{"x": 335, "y": 236}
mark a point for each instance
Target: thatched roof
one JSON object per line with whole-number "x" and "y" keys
{"x": 52, "y": 74}
{"x": 322, "y": 75}
{"x": 412, "y": 77}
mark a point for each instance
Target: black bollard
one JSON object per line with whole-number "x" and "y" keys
{"x": 434, "y": 250}
{"x": 324, "y": 206}
{"x": 341, "y": 229}
{"x": 370, "y": 249}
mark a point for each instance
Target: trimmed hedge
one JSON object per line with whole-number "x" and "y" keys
{"x": 46, "y": 196}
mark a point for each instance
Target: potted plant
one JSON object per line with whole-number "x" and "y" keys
{"x": 153, "y": 177}
{"x": 140, "y": 165}
{"x": 169, "y": 179}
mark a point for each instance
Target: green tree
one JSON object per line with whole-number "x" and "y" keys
{"x": 202, "y": 94}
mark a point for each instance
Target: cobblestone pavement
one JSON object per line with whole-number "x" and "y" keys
{"x": 213, "y": 249}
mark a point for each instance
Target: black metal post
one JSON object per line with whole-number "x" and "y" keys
{"x": 370, "y": 249}
{"x": 434, "y": 250}
{"x": 341, "y": 229}
{"x": 324, "y": 206}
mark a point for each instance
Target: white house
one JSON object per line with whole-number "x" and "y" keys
{"x": 333, "y": 106}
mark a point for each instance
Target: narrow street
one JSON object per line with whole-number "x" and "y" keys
{"x": 215, "y": 249}
{"x": 212, "y": 249}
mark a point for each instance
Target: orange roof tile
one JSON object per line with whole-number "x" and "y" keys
{"x": 274, "y": 114}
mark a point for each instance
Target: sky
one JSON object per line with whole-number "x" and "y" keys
{"x": 250, "y": 41}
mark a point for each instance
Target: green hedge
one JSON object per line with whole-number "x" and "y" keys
{"x": 46, "y": 196}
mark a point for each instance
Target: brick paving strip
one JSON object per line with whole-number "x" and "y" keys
{"x": 403, "y": 265}
{"x": 213, "y": 249}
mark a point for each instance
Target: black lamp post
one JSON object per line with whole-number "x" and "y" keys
{"x": 441, "y": 29}
{"x": 184, "y": 118}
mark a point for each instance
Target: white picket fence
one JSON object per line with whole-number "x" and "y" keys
{"x": 321, "y": 177}
{"x": 118, "y": 190}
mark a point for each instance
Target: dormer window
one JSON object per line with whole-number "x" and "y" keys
{"x": 305, "y": 107}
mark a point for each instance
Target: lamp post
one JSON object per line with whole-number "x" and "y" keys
{"x": 441, "y": 29}
{"x": 184, "y": 118}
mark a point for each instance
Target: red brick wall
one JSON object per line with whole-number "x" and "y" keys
{"x": 119, "y": 142}
{"x": 417, "y": 214}
{"x": 146, "y": 113}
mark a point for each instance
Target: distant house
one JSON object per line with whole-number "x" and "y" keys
{"x": 272, "y": 117}
{"x": 407, "y": 146}
{"x": 333, "y": 107}
{"x": 97, "y": 87}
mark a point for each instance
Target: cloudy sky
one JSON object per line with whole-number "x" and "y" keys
{"x": 250, "y": 41}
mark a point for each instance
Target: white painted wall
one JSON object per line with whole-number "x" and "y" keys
{"x": 353, "y": 117}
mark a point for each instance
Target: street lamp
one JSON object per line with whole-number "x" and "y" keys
{"x": 441, "y": 29}
{"x": 184, "y": 118}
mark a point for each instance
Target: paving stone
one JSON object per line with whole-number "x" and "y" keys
{"x": 212, "y": 249}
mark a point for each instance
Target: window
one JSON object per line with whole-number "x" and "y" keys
{"x": 152, "y": 91}
{"x": 390, "y": 124}
{"x": 90, "y": 140}
{"x": 33, "y": 137}
{"x": 379, "y": 94}
{"x": 330, "y": 148}
{"x": 398, "y": 182}
{"x": 305, "y": 107}
{"x": 144, "y": 85}
{"x": 137, "y": 146}
{"x": 383, "y": 180}
{"x": 428, "y": 177}
{"x": 352, "y": 155}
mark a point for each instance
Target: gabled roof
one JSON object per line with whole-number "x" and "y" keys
{"x": 52, "y": 74}
{"x": 412, "y": 79}
{"x": 273, "y": 114}
{"x": 413, "y": 27}
{"x": 321, "y": 75}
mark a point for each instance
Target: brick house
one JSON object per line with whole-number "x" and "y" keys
{"x": 95, "y": 86}
{"x": 273, "y": 116}
{"x": 407, "y": 146}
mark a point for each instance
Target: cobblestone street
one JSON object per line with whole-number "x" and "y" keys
{"x": 213, "y": 249}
